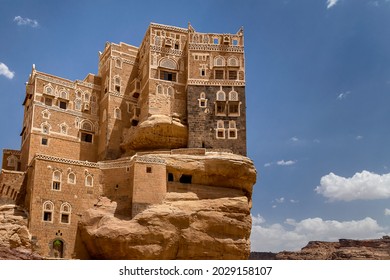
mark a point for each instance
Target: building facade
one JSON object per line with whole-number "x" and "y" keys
{"x": 181, "y": 90}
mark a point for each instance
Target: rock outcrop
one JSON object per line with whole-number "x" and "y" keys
{"x": 207, "y": 219}
{"x": 345, "y": 249}
{"x": 13, "y": 227}
{"x": 157, "y": 132}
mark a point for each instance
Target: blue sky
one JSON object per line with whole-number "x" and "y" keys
{"x": 318, "y": 95}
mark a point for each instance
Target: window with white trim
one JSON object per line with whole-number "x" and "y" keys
{"x": 219, "y": 61}
{"x": 47, "y": 211}
{"x": 117, "y": 113}
{"x": 89, "y": 181}
{"x": 56, "y": 180}
{"x": 232, "y": 133}
{"x": 220, "y": 131}
{"x": 71, "y": 178}
{"x": 65, "y": 212}
{"x": 202, "y": 100}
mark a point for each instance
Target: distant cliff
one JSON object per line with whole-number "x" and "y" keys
{"x": 344, "y": 249}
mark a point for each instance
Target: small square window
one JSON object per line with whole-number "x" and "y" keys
{"x": 63, "y": 105}
{"x": 221, "y": 134}
{"x": 148, "y": 169}
{"x": 65, "y": 218}
{"x": 48, "y": 101}
{"x": 219, "y": 74}
{"x": 44, "y": 141}
{"x": 117, "y": 88}
{"x": 86, "y": 137}
{"x": 216, "y": 41}
{"x": 232, "y": 75}
{"x": 56, "y": 186}
{"x": 233, "y": 134}
{"x": 47, "y": 216}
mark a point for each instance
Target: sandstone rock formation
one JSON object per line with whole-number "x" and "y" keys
{"x": 345, "y": 249}
{"x": 157, "y": 132}
{"x": 13, "y": 227}
{"x": 207, "y": 219}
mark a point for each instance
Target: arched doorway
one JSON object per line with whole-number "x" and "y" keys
{"x": 58, "y": 248}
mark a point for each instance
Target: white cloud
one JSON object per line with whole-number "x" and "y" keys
{"x": 294, "y": 139}
{"x": 268, "y": 164}
{"x": 293, "y": 235}
{"x": 359, "y": 137}
{"x": 331, "y": 3}
{"x": 4, "y": 70}
{"x": 286, "y": 163}
{"x": 364, "y": 186}
{"x": 280, "y": 200}
{"x": 343, "y": 95}
{"x": 294, "y": 201}
{"x": 387, "y": 212}
{"x": 26, "y": 21}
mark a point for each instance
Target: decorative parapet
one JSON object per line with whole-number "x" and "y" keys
{"x": 217, "y": 48}
{"x": 67, "y": 161}
{"x": 66, "y": 83}
{"x": 149, "y": 159}
{"x": 215, "y": 82}
{"x": 12, "y": 152}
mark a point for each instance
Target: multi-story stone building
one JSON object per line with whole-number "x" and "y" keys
{"x": 181, "y": 89}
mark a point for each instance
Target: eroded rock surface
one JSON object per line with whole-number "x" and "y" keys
{"x": 13, "y": 227}
{"x": 157, "y": 132}
{"x": 188, "y": 229}
{"x": 345, "y": 249}
{"x": 208, "y": 218}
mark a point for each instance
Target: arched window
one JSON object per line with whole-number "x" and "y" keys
{"x": 219, "y": 61}
{"x": 220, "y": 131}
{"x": 221, "y": 96}
{"x": 118, "y": 63}
{"x": 233, "y": 96}
{"x": 48, "y": 209}
{"x": 63, "y": 94}
{"x": 159, "y": 89}
{"x": 233, "y": 61}
{"x": 78, "y": 94}
{"x": 71, "y": 178}
{"x": 86, "y": 125}
{"x": 232, "y": 133}
{"x": 12, "y": 161}
{"x": 64, "y": 128}
{"x": 65, "y": 212}
{"x": 88, "y": 181}
{"x": 117, "y": 83}
{"x": 170, "y": 91}
{"x": 168, "y": 63}
{"x": 77, "y": 104}
{"x": 86, "y": 97}
{"x": 45, "y": 128}
{"x": 56, "y": 180}
{"x": 48, "y": 89}
{"x": 202, "y": 100}
{"x": 117, "y": 113}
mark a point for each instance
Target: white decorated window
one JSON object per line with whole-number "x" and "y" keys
{"x": 71, "y": 178}
{"x": 89, "y": 181}
{"x": 220, "y": 131}
{"x": 65, "y": 213}
{"x": 47, "y": 211}
{"x": 56, "y": 180}
{"x": 117, "y": 113}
